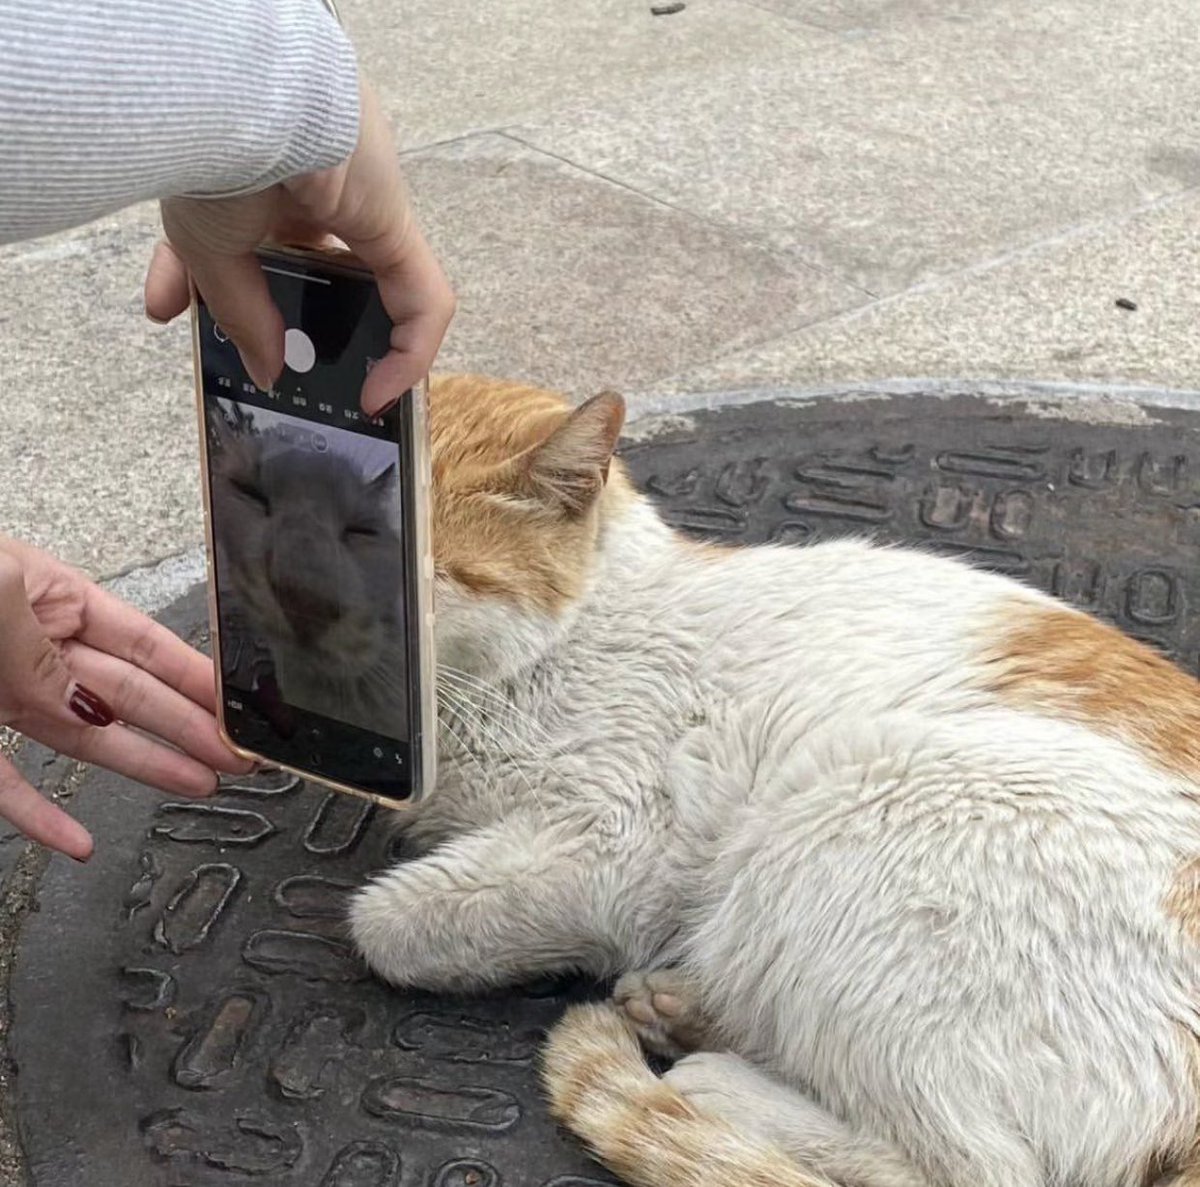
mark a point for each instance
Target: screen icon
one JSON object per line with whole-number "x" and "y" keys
{"x": 298, "y": 351}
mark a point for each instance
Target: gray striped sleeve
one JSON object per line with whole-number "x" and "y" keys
{"x": 108, "y": 102}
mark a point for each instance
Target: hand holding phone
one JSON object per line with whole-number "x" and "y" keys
{"x": 364, "y": 202}
{"x": 320, "y": 574}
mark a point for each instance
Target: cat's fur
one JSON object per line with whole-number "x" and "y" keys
{"x": 910, "y": 851}
{"x": 309, "y": 548}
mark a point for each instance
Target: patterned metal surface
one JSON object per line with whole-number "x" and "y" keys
{"x": 187, "y": 1010}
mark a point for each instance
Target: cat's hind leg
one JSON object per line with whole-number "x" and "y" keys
{"x": 663, "y": 1008}
{"x": 753, "y": 1102}
{"x": 712, "y": 1119}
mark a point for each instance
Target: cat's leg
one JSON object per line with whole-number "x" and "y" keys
{"x": 663, "y": 1006}
{"x": 753, "y": 1102}
{"x": 494, "y": 907}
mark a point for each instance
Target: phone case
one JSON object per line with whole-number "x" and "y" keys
{"x": 426, "y": 695}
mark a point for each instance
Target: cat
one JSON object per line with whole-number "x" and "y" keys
{"x": 898, "y": 859}
{"x": 309, "y": 552}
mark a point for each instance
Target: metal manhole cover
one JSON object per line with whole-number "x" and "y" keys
{"x": 186, "y": 1011}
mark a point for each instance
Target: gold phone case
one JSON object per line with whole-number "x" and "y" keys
{"x": 426, "y": 695}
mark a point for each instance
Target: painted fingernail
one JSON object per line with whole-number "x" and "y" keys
{"x": 88, "y": 707}
{"x": 385, "y": 409}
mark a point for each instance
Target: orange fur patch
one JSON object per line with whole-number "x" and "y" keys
{"x": 1066, "y": 663}
{"x": 488, "y": 534}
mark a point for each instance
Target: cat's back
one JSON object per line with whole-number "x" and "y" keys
{"x": 887, "y": 628}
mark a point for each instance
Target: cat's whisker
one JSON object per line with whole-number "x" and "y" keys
{"x": 473, "y": 684}
{"x": 450, "y": 719}
{"x": 488, "y": 774}
{"x": 496, "y": 720}
{"x": 470, "y": 716}
{"x": 476, "y": 688}
{"x": 464, "y": 750}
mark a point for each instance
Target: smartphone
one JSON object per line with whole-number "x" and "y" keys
{"x": 319, "y": 564}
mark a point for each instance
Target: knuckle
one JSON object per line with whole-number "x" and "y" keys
{"x": 145, "y": 648}
{"x": 130, "y": 694}
{"x": 47, "y": 664}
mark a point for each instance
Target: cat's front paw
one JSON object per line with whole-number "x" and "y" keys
{"x": 664, "y": 1008}
{"x": 370, "y": 919}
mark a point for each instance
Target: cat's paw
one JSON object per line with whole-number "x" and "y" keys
{"x": 663, "y": 1007}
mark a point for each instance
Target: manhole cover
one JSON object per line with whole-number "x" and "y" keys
{"x": 186, "y": 1011}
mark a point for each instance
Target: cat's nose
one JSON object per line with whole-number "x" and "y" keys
{"x": 309, "y": 613}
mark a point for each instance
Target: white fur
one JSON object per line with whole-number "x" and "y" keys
{"x": 939, "y": 920}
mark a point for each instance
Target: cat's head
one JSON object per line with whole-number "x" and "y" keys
{"x": 309, "y": 543}
{"x": 521, "y": 486}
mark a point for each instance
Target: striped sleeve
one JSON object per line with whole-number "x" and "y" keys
{"x": 108, "y": 102}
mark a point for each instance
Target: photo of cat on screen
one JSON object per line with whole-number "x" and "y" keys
{"x": 308, "y": 562}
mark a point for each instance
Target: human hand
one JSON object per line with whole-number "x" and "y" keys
{"x": 364, "y": 204}
{"x": 76, "y": 663}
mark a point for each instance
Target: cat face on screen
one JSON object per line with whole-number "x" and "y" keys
{"x": 310, "y": 543}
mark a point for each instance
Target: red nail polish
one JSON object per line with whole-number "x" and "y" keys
{"x": 88, "y": 707}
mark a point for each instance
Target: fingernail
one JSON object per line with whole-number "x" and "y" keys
{"x": 158, "y": 321}
{"x": 385, "y": 409}
{"x": 264, "y": 378}
{"x": 88, "y": 707}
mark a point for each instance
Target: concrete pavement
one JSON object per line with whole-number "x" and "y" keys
{"x": 784, "y": 191}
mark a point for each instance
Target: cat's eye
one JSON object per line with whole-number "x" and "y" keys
{"x": 253, "y": 494}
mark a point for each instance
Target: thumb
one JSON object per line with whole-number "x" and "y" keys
{"x": 34, "y": 677}
{"x": 37, "y": 818}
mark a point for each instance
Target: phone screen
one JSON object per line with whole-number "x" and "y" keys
{"x": 311, "y": 519}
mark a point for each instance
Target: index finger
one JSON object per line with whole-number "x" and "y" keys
{"x": 113, "y": 626}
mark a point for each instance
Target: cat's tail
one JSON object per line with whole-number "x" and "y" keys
{"x": 641, "y": 1127}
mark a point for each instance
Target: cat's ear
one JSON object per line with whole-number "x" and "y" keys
{"x": 569, "y": 469}
{"x": 384, "y": 483}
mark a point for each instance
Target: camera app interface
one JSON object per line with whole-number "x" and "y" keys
{"x": 309, "y": 528}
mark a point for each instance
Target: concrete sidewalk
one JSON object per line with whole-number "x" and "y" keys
{"x": 784, "y": 191}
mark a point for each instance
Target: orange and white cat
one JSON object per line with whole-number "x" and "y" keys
{"x": 906, "y": 854}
